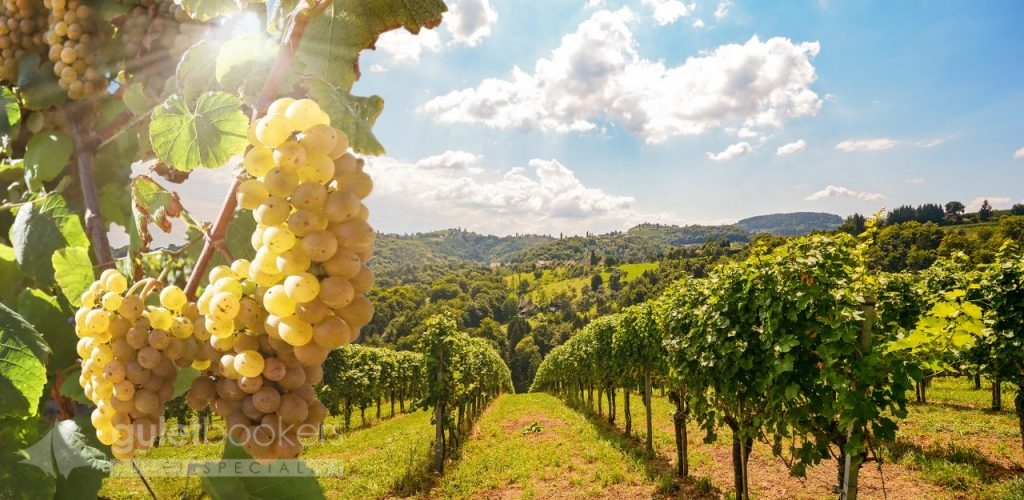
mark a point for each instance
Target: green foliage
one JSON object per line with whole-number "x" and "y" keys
{"x": 46, "y": 155}
{"x": 205, "y": 134}
{"x": 792, "y": 224}
{"x": 40, "y": 230}
{"x": 23, "y": 356}
{"x": 230, "y": 487}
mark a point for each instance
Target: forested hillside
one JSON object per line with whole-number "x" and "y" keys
{"x": 793, "y": 224}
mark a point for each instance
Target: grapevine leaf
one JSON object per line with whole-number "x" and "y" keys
{"x": 114, "y": 205}
{"x": 244, "y": 63}
{"x": 39, "y": 230}
{"x": 9, "y": 275}
{"x": 12, "y": 170}
{"x": 11, "y": 112}
{"x": 81, "y": 460}
{"x": 37, "y": 84}
{"x": 72, "y": 269}
{"x": 332, "y": 41}
{"x": 353, "y": 115}
{"x": 184, "y": 380}
{"x": 44, "y": 313}
{"x": 221, "y": 487}
{"x": 18, "y": 480}
{"x": 204, "y": 10}
{"x": 23, "y": 354}
{"x": 239, "y": 236}
{"x": 136, "y": 99}
{"x": 152, "y": 204}
{"x": 208, "y": 135}
{"x": 193, "y": 75}
{"x": 47, "y": 154}
{"x": 277, "y": 14}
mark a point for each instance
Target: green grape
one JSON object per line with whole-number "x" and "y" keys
{"x": 240, "y": 267}
{"x": 131, "y": 308}
{"x": 273, "y": 211}
{"x": 221, "y": 329}
{"x": 111, "y": 301}
{"x": 319, "y": 140}
{"x": 331, "y": 333}
{"x": 114, "y": 281}
{"x": 279, "y": 106}
{"x": 220, "y": 272}
{"x": 295, "y": 331}
{"x": 320, "y": 246}
{"x": 305, "y": 113}
{"x": 249, "y": 363}
{"x": 318, "y": 169}
{"x": 160, "y": 318}
{"x": 172, "y": 298}
{"x": 293, "y": 261}
{"x": 280, "y": 182}
{"x": 251, "y": 192}
{"x": 277, "y": 302}
{"x": 258, "y": 161}
{"x": 289, "y": 156}
{"x": 340, "y": 145}
{"x": 304, "y": 222}
{"x": 228, "y": 284}
{"x": 224, "y": 307}
{"x": 279, "y": 239}
{"x": 272, "y": 130}
{"x": 336, "y": 292}
{"x": 309, "y": 196}
{"x": 96, "y": 321}
{"x": 302, "y": 287}
{"x": 341, "y": 206}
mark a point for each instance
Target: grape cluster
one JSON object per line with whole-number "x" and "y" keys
{"x": 21, "y": 32}
{"x": 272, "y": 321}
{"x": 73, "y": 39}
{"x": 130, "y": 357}
{"x": 153, "y": 35}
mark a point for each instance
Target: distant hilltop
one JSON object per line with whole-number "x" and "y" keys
{"x": 791, "y": 224}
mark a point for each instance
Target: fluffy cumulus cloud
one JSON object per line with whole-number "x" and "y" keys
{"x": 698, "y": 23}
{"x": 545, "y": 196}
{"x": 831, "y": 191}
{"x": 878, "y": 144}
{"x": 597, "y": 75}
{"x": 998, "y": 202}
{"x": 467, "y": 22}
{"x": 793, "y": 147}
{"x": 732, "y": 152}
{"x": 470, "y": 21}
{"x": 404, "y": 47}
{"x": 723, "y": 9}
{"x": 669, "y": 11}
{"x": 1018, "y": 154}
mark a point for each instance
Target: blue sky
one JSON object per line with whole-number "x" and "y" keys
{"x": 564, "y": 117}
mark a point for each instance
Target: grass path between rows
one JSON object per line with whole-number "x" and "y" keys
{"x": 567, "y": 458}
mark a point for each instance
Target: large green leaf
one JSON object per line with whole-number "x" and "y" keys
{"x": 221, "y": 487}
{"x": 39, "y": 230}
{"x": 204, "y": 10}
{"x": 353, "y": 115}
{"x": 37, "y": 85}
{"x": 193, "y": 75}
{"x": 207, "y": 134}
{"x": 239, "y": 236}
{"x": 48, "y": 318}
{"x": 72, "y": 269}
{"x": 10, "y": 275}
{"x": 244, "y": 63}
{"x": 47, "y": 154}
{"x": 11, "y": 116}
{"x": 331, "y": 44}
{"x": 23, "y": 356}
{"x": 81, "y": 459}
{"x": 19, "y": 480}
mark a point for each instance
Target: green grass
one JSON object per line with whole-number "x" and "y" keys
{"x": 553, "y": 281}
{"x": 390, "y": 458}
{"x": 569, "y": 457}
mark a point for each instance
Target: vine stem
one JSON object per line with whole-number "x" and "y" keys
{"x": 94, "y": 226}
{"x": 300, "y": 18}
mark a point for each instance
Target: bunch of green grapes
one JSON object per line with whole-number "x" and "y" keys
{"x": 130, "y": 354}
{"x": 21, "y": 32}
{"x": 73, "y": 39}
{"x": 253, "y": 381}
{"x": 154, "y": 35}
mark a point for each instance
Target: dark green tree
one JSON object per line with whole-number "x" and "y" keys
{"x": 954, "y": 211}
{"x": 596, "y": 282}
{"x": 985, "y": 212}
{"x": 854, "y": 224}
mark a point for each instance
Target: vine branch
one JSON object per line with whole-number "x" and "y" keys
{"x": 85, "y": 147}
{"x": 300, "y": 18}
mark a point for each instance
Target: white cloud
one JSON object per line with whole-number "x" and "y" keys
{"x": 597, "y": 74}
{"x": 831, "y": 191}
{"x": 404, "y": 47}
{"x": 669, "y": 11}
{"x": 1018, "y": 154}
{"x": 793, "y": 147}
{"x": 878, "y": 144}
{"x": 594, "y": 4}
{"x": 732, "y": 152}
{"x": 456, "y": 160}
{"x": 377, "y": 68}
{"x": 469, "y": 21}
{"x": 998, "y": 202}
{"x": 543, "y": 197}
{"x": 917, "y": 180}
{"x": 698, "y": 23}
{"x": 723, "y": 9}
{"x": 931, "y": 143}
